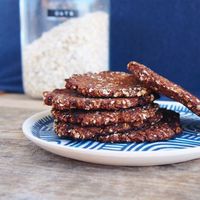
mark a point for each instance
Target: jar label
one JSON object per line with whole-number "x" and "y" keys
{"x": 66, "y": 13}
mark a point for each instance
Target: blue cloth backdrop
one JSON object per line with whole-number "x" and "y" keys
{"x": 10, "y": 61}
{"x": 162, "y": 34}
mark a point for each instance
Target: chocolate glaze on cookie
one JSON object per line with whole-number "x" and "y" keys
{"x": 104, "y": 117}
{"x": 159, "y": 84}
{"x": 167, "y": 128}
{"x": 65, "y": 99}
{"x": 107, "y": 84}
{"x": 76, "y": 131}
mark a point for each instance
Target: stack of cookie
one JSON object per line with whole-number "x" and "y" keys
{"x": 110, "y": 107}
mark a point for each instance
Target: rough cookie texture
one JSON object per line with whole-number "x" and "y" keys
{"x": 65, "y": 99}
{"x": 76, "y": 131}
{"x": 159, "y": 84}
{"x": 107, "y": 84}
{"x": 104, "y": 117}
{"x": 167, "y": 128}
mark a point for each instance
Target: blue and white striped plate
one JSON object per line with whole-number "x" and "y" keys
{"x": 39, "y": 129}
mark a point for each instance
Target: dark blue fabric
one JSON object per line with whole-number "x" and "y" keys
{"x": 162, "y": 34}
{"x": 10, "y": 62}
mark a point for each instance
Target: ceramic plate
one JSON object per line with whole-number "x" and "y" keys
{"x": 39, "y": 129}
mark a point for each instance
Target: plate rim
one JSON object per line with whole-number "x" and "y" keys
{"x": 28, "y": 123}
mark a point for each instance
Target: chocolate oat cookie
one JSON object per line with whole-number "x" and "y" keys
{"x": 167, "y": 128}
{"x": 107, "y": 84}
{"x": 104, "y": 117}
{"x": 76, "y": 131}
{"x": 162, "y": 85}
{"x": 65, "y": 99}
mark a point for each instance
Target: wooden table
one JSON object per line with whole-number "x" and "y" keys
{"x": 28, "y": 172}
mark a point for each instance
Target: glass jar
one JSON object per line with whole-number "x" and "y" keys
{"x": 60, "y": 38}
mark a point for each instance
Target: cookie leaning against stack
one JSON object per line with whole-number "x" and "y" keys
{"x": 110, "y": 107}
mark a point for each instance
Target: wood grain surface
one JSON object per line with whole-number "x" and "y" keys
{"x": 28, "y": 172}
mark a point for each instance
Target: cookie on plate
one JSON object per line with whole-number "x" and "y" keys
{"x": 107, "y": 84}
{"x": 105, "y": 117}
{"x": 77, "y": 131}
{"x": 65, "y": 99}
{"x": 159, "y": 84}
{"x": 167, "y": 128}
